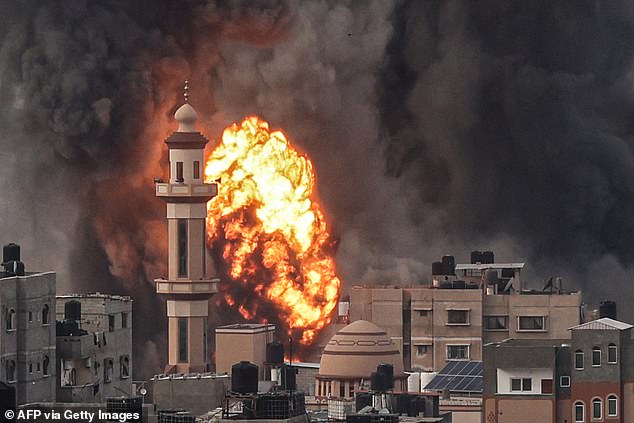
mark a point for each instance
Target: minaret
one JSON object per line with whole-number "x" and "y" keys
{"x": 187, "y": 289}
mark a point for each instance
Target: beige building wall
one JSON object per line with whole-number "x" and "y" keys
{"x": 243, "y": 342}
{"x": 100, "y": 361}
{"x": 628, "y": 402}
{"x": 525, "y": 411}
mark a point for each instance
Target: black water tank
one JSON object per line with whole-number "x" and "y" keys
{"x": 607, "y": 309}
{"x": 378, "y": 382}
{"x": 244, "y": 378}
{"x": 436, "y": 268}
{"x": 488, "y": 257}
{"x": 403, "y": 403}
{"x": 7, "y": 399}
{"x": 289, "y": 378}
{"x": 388, "y": 370}
{"x": 14, "y": 267}
{"x": 476, "y": 257}
{"x": 72, "y": 310}
{"x": 10, "y": 252}
{"x": 448, "y": 265}
{"x": 508, "y": 273}
{"x": 275, "y": 353}
{"x": 472, "y": 285}
{"x": 446, "y": 285}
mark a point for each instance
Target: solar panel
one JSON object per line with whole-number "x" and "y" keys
{"x": 459, "y": 376}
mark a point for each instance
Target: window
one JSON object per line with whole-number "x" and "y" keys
{"x": 422, "y": 313}
{"x": 422, "y": 349}
{"x": 579, "y": 412}
{"x": 547, "y": 386}
{"x": 45, "y": 313}
{"x": 108, "y": 365}
{"x": 457, "y": 317}
{"x": 613, "y": 406}
{"x": 531, "y": 323}
{"x": 564, "y": 382}
{"x": 9, "y": 367}
{"x": 196, "y": 169}
{"x": 10, "y": 319}
{"x": 596, "y": 356}
{"x": 179, "y": 172}
{"x": 30, "y": 367}
{"x": 39, "y": 366}
{"x": 124, "y": 320}
{"x": 496, "y": 322}
{"x": 521, "y": 384}
{"x": 30, "y": 317}
{"x": 579, "y": 360}
{"x": 182, "y": 247}
{"x": 182, "y": 340}
{"x": 597, "y": 409}
{"x": 124, "y": 366}
{"x": 45, "y": 365}
{"x": 111, "y": 323}
{"x": 612, "y": 354}
{"x": 457, "y": 352}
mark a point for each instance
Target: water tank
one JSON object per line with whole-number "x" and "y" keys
{"x": 388, "y": 370}
{"x": 448, "y": 265}
{"x": 476, "y": 257}
{"x": 14, "y": 268}
{"x": 459, "y": 284}
{"x": 403, "y": 402}
{"x": 472, "y": 285}
{"x": 244, "y": 378}
{"x": 362, "y": 399}
{"x": 488, "y": 257}
{"x": 10, "y": 252}
{"x": 436, "y": 268}
{"x": 607, "y": 309}
{"x": 275, "y": 353}
{"x": 289, "y": 378}
{"x": 72, "y": 310}
{"x": 378, "y": 382}
{"x": 7, "y": 397}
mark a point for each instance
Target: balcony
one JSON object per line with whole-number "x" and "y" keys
{"x": 190, "y": 287}
{"x": 186, "y": 192}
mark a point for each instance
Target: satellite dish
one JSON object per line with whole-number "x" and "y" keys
{"x": 143, "y": 391}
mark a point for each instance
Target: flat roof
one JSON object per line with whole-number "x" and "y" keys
{"x": 485, "y": 266}
{"x": 245, "y": 328}
{"x": 96, "y": 295}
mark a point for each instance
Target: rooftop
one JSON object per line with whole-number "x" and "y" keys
{"x": 604, "y": 323}
{"x": 96, "y": 295}
{"x": 485, "y": 266}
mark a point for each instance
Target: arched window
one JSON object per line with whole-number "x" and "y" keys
{"x": 579, "y": 360}
{"x": 596, "y": 356}
{"x": 597, "y": 409}
{"x": 45, "y": 318}
{"x": 612, "y": 354}
{"x": 580, "y": 412}
{"x": 45, "y": 364}
{"x": 9, "y": 367}
{"x": 613, "y": 406}
{"x": 10, "y": 319}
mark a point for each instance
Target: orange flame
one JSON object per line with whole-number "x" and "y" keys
{"x": 273, "y": 234}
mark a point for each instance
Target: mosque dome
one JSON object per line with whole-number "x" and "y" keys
{"x": 356, "y": 350}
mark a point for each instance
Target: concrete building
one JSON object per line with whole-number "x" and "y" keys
{"x": 451, "y": 318}
{"x": 187, "y": 288}
{"x": 350, "y": 358}
{"x": 27, "y": 330}
{"x": 586, "y": 378}
{"x": 243, "y": 342}
{"x": 94, "y": 347}
{"x": 196, "y": 393}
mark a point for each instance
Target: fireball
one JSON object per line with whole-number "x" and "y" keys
{"x": 270, "y": 229}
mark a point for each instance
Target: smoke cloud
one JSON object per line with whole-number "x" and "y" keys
{"x": 434, "y": 127}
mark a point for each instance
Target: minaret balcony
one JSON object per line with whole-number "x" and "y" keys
{"x": 184, "y": 193}
{"x": 187, "y": 287}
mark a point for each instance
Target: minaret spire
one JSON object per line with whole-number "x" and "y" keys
{"x": 186, "y": 91}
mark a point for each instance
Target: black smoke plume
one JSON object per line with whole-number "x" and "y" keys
{"x": 434, "y": 127}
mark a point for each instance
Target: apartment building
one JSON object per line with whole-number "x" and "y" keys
{"x": 94, "y": 347}
{"x": 588, "y": 377}
{"x": 27, "y": 329}
{"x": 464, "y": 307}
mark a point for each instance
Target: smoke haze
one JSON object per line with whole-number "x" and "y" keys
{"x": 435, "y": 127}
